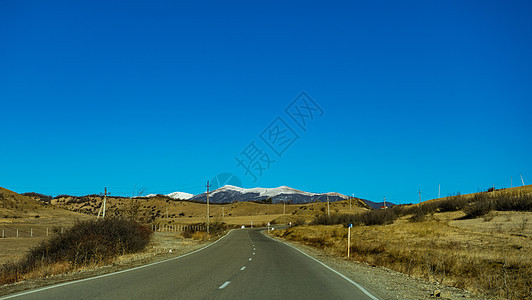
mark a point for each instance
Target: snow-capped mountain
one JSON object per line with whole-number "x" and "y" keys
{"x": 174, "y": 195}
{"x": 180, "y": 195}
{"x": 231, "y": 193}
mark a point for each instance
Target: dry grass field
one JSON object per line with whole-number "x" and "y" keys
{"x": 34, "y": 219}
{"x": 490, "y": 255}
{"x": 164, "y": 211}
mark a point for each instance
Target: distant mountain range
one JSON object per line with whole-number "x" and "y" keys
{"x": 231, "y": 193}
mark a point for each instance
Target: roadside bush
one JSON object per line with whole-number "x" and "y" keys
{"x": 86, "y": 243}
{"x": 513, "y": 202}
{"x": 455, "y": 203}
{"x": 214, "y": 228}
{"x": 376, "y": 217}
{"x": 299, "y": 221}
{"x": 479, "y": 206}
{"x": 373, "y": 217}
{"x": 418, "y": 216}
{"x": 189, "y": 232}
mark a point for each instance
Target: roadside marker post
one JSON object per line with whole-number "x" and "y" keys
{"x": 349, "y": 238}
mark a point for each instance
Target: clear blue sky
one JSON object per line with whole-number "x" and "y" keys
{"x": 164, "y": 95}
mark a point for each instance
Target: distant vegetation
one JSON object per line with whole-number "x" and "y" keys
{"x": 37, "y": 196}
{"x": 215, "y": 228}
{"x": 87, "y": 243}
{"x": 473, "y": 206}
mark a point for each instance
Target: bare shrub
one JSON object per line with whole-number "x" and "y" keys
{"x": 419, "y": 216}
{"x": 481, "y": 205}
{"x": 86, "y": 243}
{"x": 523, "y": 224}
{"x": 299, "y": 222}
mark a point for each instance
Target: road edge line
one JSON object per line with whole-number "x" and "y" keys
{"x": 110, "y": 274}
{"x": 326, "y": 266}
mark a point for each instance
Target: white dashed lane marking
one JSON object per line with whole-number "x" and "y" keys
{"x": 243, "y": 268}
{"x": 224, "y": 285}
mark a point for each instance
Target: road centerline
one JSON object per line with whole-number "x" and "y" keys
{"x": 224, "y": 285}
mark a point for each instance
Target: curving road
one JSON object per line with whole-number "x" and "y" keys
{"x": 245, "y": 264}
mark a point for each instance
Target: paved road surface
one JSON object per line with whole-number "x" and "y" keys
{"x": 245, "y": 264}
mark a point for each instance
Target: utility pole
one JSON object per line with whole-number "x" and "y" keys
{"x": 328, "y": 208}
{"x": 419, "y": 197}
{"x": 208, "y": 186}
{"x": 522, "y": 179}
{"x": 439, "y": 189}
{"x": 103, "y": 205}
{"x": 104, "y": 202}
{"x": 349, "y": 238}
{"x": 384, "y": 202}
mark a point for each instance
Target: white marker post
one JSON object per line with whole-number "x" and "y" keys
{"x": 349, "y": 238}
{"x": 268, "y": 227}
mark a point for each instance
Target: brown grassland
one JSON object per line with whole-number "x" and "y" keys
{"x": 31, "y": 215}
{"x": 490, "y": 255}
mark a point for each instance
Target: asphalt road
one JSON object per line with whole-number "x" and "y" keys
{"x": 245, "y": 264}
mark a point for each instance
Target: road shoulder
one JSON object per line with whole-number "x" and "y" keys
{"x": 384, "y": 283}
